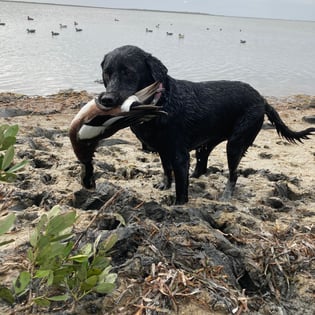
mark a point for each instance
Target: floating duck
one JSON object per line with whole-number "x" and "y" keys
{"x": 242, "y": 41}
{"x": 169, "y": 33}
{"x": 181, "y": 35}
{"x": 30, "y": 18}
{"x": 2, "y": 23}
{"x": 116, "y": 20}
{"x": 95, "y": 121}
{"x": 63, "y": 25}
{"x": 78, "y": 29}
{"x": 75, "y": 23}
{"x": 30, "y": 30}
{"x": 54, "y": 33}
{"x": 148, "y": 30}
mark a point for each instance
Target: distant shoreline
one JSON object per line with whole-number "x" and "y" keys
{"x": 159, "y": 11}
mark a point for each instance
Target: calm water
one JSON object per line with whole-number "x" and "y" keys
{"x": 277, "y": 59}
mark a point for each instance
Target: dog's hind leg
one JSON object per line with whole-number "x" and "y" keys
{"x": 202, "y": 154}
{"x": 243, "y": 136}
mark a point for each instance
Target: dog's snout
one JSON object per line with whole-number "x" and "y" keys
{"x": 107, "y": 99}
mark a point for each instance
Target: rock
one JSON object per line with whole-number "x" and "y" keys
{"x": 13, "y": 112}
{"x": 309, "y": 119}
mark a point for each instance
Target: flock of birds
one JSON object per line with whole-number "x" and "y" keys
{"x": 77, "y": 29}
{"x": 180, "y": 35}
{"x": 53, "y": 33}
{"x": 148, "y": 30}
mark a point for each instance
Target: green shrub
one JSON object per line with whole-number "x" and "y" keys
{"x": 58, "y": 272}
{"x": 7, "y": 140}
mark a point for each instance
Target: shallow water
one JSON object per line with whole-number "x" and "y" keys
{"x": 277, "y": 58}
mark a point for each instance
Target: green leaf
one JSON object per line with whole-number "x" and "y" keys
{"x": 41, "y": 301}
{"x": 111, "y": 278}
{"x": 109, "y": 242}
{"x": 42, "y": 273}
{"x": 92, "y": 280}
{"x": 100, "y": 262}
{"x": 7, "y": 177}
{"x": 22, "y": 281}
{"x": 17, "y": 166}
{"x": 79, "y": 258}
{"x": 59, "y": 223}
{"x": 87, "y": 249}
{"x": 6, "y": 295}
{"x": 6, "y": 223}
{"x": 104, "y": 288}
{"x": 11, "y": 131}
{"x": 7, "y": 142}
{"x": 7, "y": 158}
{"x": 54, "y": 211}
{"x": 57, "y": 298}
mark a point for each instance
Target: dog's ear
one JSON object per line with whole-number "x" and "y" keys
{"x": 158, "y": 70}
{"x": 102, "y": 63}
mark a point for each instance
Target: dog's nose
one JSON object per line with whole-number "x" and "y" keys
{"x": 107, "y": 99}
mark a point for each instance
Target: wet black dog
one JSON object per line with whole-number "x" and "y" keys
{"x": 200, "y": 116}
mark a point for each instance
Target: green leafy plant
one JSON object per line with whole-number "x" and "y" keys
{"x": 5, "y": 224}
{"x": 57, "y": 271}
{"x": 7, "y": 140}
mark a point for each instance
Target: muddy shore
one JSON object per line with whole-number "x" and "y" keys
{"x": 252, "y": 255}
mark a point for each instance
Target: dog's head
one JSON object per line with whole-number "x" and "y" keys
{"x": 125, "y": 71}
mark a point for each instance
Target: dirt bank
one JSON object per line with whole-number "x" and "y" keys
{"x": 253, "y": 255}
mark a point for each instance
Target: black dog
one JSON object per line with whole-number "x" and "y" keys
{"x": 200, "y": 116}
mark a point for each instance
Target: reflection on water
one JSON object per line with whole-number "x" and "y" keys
{"x": 277, "y": 58}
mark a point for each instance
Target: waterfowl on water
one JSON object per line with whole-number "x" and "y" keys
{"x": 30, "y": 30}
{"x": 181, "y": 35}
{"x": 75, "y": 23}
{"x": 2, "y": 23}
{"x": 95, "y": 121}
{"x": 30, "y": 18}
{"x": 54, "y": 33}
{"x": 63, "y": 25}
{"x": 169, "y": 33}
{"x": 148, "y": 30}
{"x": 242, "y": 41}
{"x": 78, "y": 29}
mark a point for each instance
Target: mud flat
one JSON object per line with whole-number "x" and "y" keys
{"x": 253, "y": 255}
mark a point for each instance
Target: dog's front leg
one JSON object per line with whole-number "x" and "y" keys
{"x": 87, "y": 175}
{"x": 181, "y": 169}
{"x": 167, "y": 176}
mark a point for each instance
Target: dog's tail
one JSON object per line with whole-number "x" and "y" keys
{"x": 283, "y": 130}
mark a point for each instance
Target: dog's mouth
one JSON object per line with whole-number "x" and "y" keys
{"x": 106, "y": 101}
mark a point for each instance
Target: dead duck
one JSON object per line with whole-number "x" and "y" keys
{"x": 95, "y": 122}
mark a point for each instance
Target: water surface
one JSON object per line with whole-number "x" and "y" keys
{"x": 277, "y": 58}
